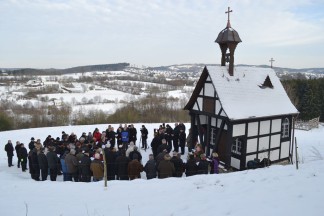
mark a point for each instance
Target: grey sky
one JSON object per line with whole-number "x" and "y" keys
{"x": 66, "y": 33}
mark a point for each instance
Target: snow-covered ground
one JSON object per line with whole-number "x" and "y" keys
{"x": 277, "y": 190}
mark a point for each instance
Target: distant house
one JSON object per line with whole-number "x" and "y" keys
{"x": 34, "y": 83}
{"x": 242, "y": 113}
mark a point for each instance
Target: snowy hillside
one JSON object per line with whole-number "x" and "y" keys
{"x": 277, "y": 190}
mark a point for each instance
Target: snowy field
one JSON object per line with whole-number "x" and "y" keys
{"x": 274, "y": 191}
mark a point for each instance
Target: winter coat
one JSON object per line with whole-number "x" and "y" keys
{"x": 134, "y": 169}
{"x": 178, "y": 165}
{"x": 121, "y": 167}
{"x": 202, "y": 167}
{"x": 166, "y": 169}
{"x": 144, "y": 133}
{"x": 97, "y": 169}
{"x": 42, "y": 161}
{"x": 17, "y": 147}
{"x": 23, "y": 153}
{"x": 214, "y": 166}
{"x": 111, "y": 135}
{"x": 31, "y": 145}
{"x": 34, "y": 160}
{"x": 52, "y": 159}
{"x": 191, "y": 167}
{"x": 97, "y": 135}
{"x": 71, "y": 163}
{"x": 162, "y": 147}
{"x": 9, "y": 149}
{"x": 159, "y": 158}
{"x": 110, "y": 163}
{"x": 150, "y": 169}
{"x": 84, "y": 169}
{"x": 132, "y": 134}
{"x": 182, "y": 139}
{"x": 125, "y": 136}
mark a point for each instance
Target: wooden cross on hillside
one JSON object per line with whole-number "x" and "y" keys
{"x": 271, "y": 60}
{"x": 228, "y": 16}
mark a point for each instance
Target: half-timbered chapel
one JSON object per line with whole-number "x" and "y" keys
{"x": 243, "y": 113}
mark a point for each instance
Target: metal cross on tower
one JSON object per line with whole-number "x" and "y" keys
{"x": 228, "y": 16}
{"x": 271, "y": 60}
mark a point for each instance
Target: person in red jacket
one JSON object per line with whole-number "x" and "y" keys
{"x": 97, "y": 134}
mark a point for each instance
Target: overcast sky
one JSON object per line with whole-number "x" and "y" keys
{"x": 66, "y": 33}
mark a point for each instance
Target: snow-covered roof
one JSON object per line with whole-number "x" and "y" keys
{"x": 242, "y": 97}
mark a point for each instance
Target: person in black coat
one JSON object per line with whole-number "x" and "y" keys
{"x": 176, "y": 137}
{"x": 150, "y": 168}
{"x": 53, "y": 162}
{"x": 169, "y": 136}
{"x": 132, "y": 133}
{"x": 144, "y": 133}
{"x": 17, "y": 147}
{"x": 178, "y": 165}
{"x": 84, "y": 168}
{"x": 182, "y": 141}
{"x": 163, "y": 147}
{"x": 203, "y": 164}
{"x": 191, "y": 166}
{"x": 43, "y": 164}
{"x": 31, "y": 144}
{"x": 155, "y": 144}
{"x": 110, "y": 155}
{"x": 10, "y": 152}
{"x": 34, "y": 165}
{"x": 122, "y": 166}
{"x": 111, "y": 136}
{"x": 139, "y": 155}
{"x": 23, "y": 157}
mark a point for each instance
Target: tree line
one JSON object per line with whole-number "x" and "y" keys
{"x": 307, "y": 95}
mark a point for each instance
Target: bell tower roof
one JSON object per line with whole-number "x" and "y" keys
{"x": 228, "y": 34}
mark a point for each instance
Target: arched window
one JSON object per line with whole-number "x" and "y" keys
{"x": 285, "y": 128}
{"x": 237, "y": 146}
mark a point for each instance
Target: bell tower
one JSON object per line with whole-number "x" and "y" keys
{"x": 228, "y": 39}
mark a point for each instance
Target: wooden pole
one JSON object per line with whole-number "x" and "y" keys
{"x": 293, "y": 141}
{"x": 296, "y": 153}
{"x": 105, "y": 168}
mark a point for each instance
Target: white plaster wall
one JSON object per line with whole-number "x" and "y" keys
{"x": 195, "y": 107}
{"x": 217, "y": 107}
{"x": 238, "y": 130}
{"x": 253, "y": 129}
{"x": 251, "y": 145}
{"x": 223, "y": 114}
{"x": 203, "y": 119}
{"x": 274, "y": 155}
{"x": 284, "y": 150}
{"x": 264, "y": 127}
{"x": 219, "y": 122}
{"x": 263, "y": 155}
{"x": 276, "y": 125}
{"x": 264, "y": 143}
{"x": 235, "y": 163}
{"x": 201, "y": 92}
{"x": 209, "y": 90}
{"x": 200, "y": 102}
{"x": 275, "y": 141}
{"x": 248, "y": 158}
{"x": 213, "y": 122}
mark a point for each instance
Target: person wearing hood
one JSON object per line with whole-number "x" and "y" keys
{"x": 166, "y": 168}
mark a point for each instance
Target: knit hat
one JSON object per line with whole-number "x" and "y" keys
{"x": 32, "y": 138}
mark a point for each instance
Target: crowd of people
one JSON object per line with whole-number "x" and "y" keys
{"x": 82, "y": 158}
